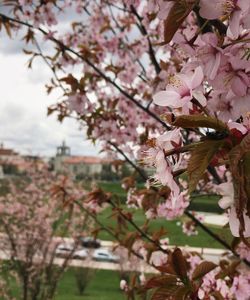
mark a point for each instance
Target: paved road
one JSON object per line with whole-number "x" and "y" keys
{"x": 126, "y": 264}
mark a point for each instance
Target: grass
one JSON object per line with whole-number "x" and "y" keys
{"x": 207, "y": 203}
{"x": 103, "y": 286}
{"x": 174, "y": 232}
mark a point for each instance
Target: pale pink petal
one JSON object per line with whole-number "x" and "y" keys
{"x": 210, "y": 9}
{"x": 238, "y": 86}
{"x": 235, "y": 224}
{"x": 166, "y": 98}
{"x": 238, "y": 126}
{"x": 197, "y": 78}
{"x": 234, "y": 25}
{"x": 225, "y": 202}
{"x": 216, "y": 64}
{"x": 198, "y": 95}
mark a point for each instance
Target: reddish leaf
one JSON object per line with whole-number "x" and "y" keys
{"x": 202, "y": 269}
{"x": 178, "y": 13}
{"x": 201, "y": 155}
{"x": 161, "y": 281}
{"x": 179, "y": 264}
{"x": 195, "y": 121}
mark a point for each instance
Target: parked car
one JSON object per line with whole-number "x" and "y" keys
{"x": 90, "y": 242}
{"x": 65, "y": 250}
{"x": 80, "y": 254}
{"x": 105, "y": 255}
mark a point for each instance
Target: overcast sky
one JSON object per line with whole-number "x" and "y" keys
{"x": 24, "y": 125}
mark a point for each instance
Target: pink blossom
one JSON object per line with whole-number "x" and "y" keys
{"x": 174, "y": 206}
{"x": 227, "y": 201}
{"x": 237, "y": 10}
{"x": 181, "y": 90}
{"x": 123, "y": 285}
{"x": 241, "y": 287}
{"x": 243, "y": 250}
{"x": 164, "y": 8}
{"x": 77, "y": 103}
{"x": 214, "y": 9}
{"x": 210, "y": 54}
{"x": 158, "y": 258}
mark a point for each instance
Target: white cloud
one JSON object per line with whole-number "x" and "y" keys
{"x": 24, "y": 124}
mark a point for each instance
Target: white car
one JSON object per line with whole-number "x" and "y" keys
{"x": 80, "y": 254}
{"x": 65, "y": 250}
{"x": 105, "y": 255}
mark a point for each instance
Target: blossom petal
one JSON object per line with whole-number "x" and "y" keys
{"x": 197, "y": 78}
{"x": 198, "y": 95}
{"x": 167, "y": 98}
{"x": 235, "y": 224}
{"x": 210, "y": 9}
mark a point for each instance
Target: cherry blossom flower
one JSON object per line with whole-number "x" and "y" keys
{"x": 124, "y": 285}
{"x": 237, "y": 10}
{"x": 241, "y": 287}
{"x": 243, "y": 250}
{"x": 227, "y": 201}
{"x": 215, "y": 9}
{"x": 181, "y": 89}
{"x": 174, "y": 206}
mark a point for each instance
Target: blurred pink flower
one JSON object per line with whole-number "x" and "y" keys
{"x": 181, "y": 90}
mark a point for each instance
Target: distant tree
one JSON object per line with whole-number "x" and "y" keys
{"x": 34, "y": 218}
{"x": 10, "y": 169}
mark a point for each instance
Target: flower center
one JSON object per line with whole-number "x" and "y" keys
{"x": 228, "y": 6}
{"x": 174, "y": 81}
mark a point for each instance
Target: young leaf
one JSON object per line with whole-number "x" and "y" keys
{"x": 195, "y": 121}
{"x": 201, "y": 155}
{"x": 161, "y": 281}
{"x": 179, "y": 264}
{"x": 202, "y": 269}
{"x": 178, "y": 13}
{"x": 164, "y": 293}
{"x": 182, "y": 293}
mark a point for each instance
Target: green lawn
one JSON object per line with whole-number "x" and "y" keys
{"x": 175, "y": 233}
{"x": 103, "y": 286}
{"x": 207, "y": 203}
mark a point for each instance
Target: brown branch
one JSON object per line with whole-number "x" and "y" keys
{"x": 95, "y": 68}
{"x": 145, "y": 33}
{"x": 194, "y": 219}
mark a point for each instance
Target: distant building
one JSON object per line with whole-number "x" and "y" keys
{"x": 12, "y": 162}
{"x": 87, "y": 166}
{"x": 84, "y": 165}
{"x": 1, "y": 172}
{"x": 62, "y": 152}
{"x": 7, "y": 153}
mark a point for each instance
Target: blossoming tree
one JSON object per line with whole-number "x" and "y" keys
{"x": 32, "y": 226}
{"x": 167, "y": 84}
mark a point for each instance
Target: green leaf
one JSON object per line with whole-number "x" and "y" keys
{"x": 196, "y": 121}
{"x": 179, "y": 264}
{"x": 201, "y": 155}
{"x": 178, "y": 13}
{"x": 202, "y": 269}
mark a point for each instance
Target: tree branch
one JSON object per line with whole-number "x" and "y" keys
{"x": 92, "y": 65}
